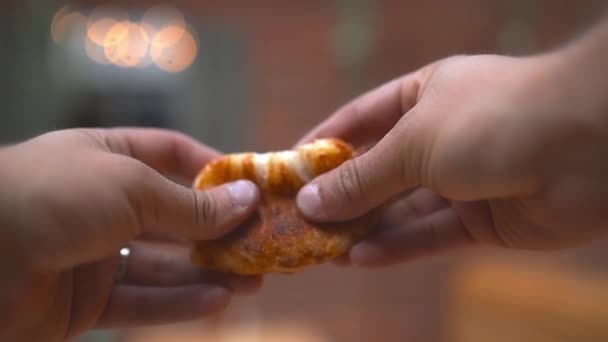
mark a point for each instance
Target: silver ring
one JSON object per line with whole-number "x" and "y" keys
{"x": 124, "y": 254}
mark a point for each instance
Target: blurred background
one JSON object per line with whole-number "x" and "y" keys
{"x": 256, "y": 75}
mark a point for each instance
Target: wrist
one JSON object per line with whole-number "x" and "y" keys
{"x": 578, "y": 71}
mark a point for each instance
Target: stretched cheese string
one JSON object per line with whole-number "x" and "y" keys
{"x": 281, "y": 172}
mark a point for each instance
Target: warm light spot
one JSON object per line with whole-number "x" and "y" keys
{"x": 161, "y": 17}
{"x": 150, "y": 32}
{"x": 162, "y": 37}
{"x": 111, "y": 41}
{"x": 167, "y": 37}
{"x": 102, "y": 19}
{"x": 64, "y": 22}
{"x": 97, "y": 31}
{"x": 126, "y": 44}
{"x": 95, "y": 52}
{"x": 111, "y": 53}
{"x": 104, "y": 14}
{"x": 177, "y": 57}
{"x": 58, "y": 24}
{"x": 116, "y": 34}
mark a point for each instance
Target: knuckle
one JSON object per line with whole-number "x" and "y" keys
{"x": 95, "y": 136}
{"x": 508, "y": 227}
{"x": 205, "y": 210}
{"x": 137, "y": 182}
{"x": 349, "y": 181}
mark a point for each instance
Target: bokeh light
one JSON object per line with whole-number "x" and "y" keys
{"x": 102, "y": 19}
{"x": 177, "y": 57}
{"x": 162, "y": 37}
{"x": 160, "y": 17}
{"x": 64, "y": 23}
{"x": 98, "y": 30}
{"x": 129, "y": 45}
{"x": 116, "y": 34}
{"x": 167, "y": 36}
{"x": 111, "y": 40}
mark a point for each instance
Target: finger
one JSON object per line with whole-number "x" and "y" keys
{"x": 477, "y": 216}
{"x": 371, "y": 116}
{"x": 433, "y": 234}
{"x": 410, "y": 207}
{"x": 162, "y": 205}
{"x": 164, "y": 265}
{"x": 361, "y": 184}
{"x": 133, "y": 306}
{"x": 413, "y": 205}
{"x": 168, "y": 152}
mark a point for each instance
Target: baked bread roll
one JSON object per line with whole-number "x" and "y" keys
{"x": 277, "y": 238}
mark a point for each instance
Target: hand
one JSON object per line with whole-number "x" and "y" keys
{"x": 71, "y": 199}
{"x": 506, "y": 151}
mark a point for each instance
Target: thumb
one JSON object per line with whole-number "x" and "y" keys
{"x": 195, "y": 214}
{"x": 363, "y": 183}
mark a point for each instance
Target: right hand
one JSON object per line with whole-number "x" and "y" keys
{"x": 507, "y": 151}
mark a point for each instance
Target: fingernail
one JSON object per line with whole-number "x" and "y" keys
{"x": 309, "y": 201}
{"x": 243, "y": 193}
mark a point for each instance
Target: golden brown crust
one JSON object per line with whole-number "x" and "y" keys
{"x": 277, "y": 238}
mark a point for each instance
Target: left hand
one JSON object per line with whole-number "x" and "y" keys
{"x": 72, "y": 199}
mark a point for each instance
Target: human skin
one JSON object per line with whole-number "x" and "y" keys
{"x": 475, "y": 149}
{"x": 71, "y": 199}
